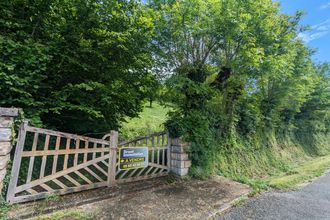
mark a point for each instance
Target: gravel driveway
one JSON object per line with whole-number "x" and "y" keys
{"x": 310, "y": 202}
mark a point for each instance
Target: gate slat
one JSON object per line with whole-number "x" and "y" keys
{"x": 94, "y": 147}
{"x": 31, "y": 191}
{"x": 73, "y": 181}
{"x": 153, "y": 150}
{"x": 31, "y": 163}
{"x": 65, "y": 135}
{"x": 141, "y": 171}
{"x": 66, "y": 156}
{"x": 132, "y": 173}
{"x": 157, "y": 165}
{"x": 59, "y": 183}
{"x": 62, "y": 152}
{"x": 137, "y": 178}
{"x": 17, "y": 162}
{"x": 83, "y": 177}
{"x": 86, "y": 150}
{"x": 46, "y": 187}
{"x": 57, "y": 147}
{"x": 123, "y": 174}
{"x": 148, "y": 171}
{"x": 156, "y": 171}
{"x": 75, "y": 159}
{"x": 44, "y": 158}
{"x": 100, "y": 169}
{"x": 94, "y": 174}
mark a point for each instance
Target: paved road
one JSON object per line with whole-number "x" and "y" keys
{"x": 310, "y": 202}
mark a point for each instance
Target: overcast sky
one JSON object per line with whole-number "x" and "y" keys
{"x": 318, "y": 17}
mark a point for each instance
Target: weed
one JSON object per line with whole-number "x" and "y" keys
{"x": 240, "y": 200}
{"x": 3, "y": 208}
{"x": 66, "y": 214}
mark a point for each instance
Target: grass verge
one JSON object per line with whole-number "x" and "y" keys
{"x": 303, "y": 173}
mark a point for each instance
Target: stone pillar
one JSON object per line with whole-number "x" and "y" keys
{"x": 6, "y": 138}
{"x": 180, "y": 162}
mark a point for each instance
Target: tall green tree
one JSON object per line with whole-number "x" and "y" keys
{"x": 75, "y": 65}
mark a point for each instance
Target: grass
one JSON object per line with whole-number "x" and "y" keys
{"x": 150, "y": 120}
{"x": 3, "y": 208}
{"x": 281, "y": 164}
{"x": 73, "y": 214}
{"x": 301, "y": 174}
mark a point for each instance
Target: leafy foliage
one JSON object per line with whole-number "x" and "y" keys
{"x": 75, "y": 65}
{"x": 239, "y": 74}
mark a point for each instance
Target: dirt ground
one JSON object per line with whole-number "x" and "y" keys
{"x": 161, "y": 198}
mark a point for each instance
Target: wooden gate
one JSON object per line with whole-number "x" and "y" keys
{"x": 48, "y": 162}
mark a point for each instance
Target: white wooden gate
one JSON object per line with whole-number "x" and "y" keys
{"x": 48, "y": 162}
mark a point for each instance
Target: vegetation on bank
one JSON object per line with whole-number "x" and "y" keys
{"x": 301, "y": 173}
{"x": 282, "y": 165}
{"x": 246, "y": 91}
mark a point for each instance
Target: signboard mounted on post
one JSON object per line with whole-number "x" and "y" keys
{"x": 133, "y": 158}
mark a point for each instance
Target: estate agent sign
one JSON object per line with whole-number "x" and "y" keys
{"x": 133, "y": 158}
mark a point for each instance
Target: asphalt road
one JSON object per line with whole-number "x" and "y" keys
{"x": 310, "y": 202}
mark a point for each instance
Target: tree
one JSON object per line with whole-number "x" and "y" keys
{"x": 75, "y": 65}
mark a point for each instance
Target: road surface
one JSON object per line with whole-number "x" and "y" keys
{"x": 310, "y": 202}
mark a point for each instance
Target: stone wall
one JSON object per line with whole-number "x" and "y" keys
{"x": 6, "y": 138}
{"x": 180, "y": 162}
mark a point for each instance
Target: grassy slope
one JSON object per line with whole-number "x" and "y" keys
{"x": 282, "y": 165}
{"x": 150, "y": 120}
{"x": 302, "y": 173}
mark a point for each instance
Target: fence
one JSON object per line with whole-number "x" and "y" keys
{"x": 49, "y": 162}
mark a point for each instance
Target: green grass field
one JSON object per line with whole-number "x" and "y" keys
{"x": 150, "y": 120}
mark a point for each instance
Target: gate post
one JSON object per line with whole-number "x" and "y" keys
{"x": 6, "y": 139}
{"x": 112, "y": 158}
{"x": 179, "y": 157}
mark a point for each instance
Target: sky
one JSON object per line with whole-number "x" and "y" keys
{"x": 318, "y": 18}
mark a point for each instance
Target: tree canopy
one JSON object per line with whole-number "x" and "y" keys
{"x": 75, "y": 65}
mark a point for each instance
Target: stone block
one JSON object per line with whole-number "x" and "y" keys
{"x": 6, "y": 122}
{"x": 2, "y": 174}
{"x": 179, "y": 142}
{"x": 5, "y": 148}
{"x": 187, "y": 163}
{"x": 177, "y": 163}
{"x": 12, "y": 112}
{"x": 180, "y": 163}
{"x": 179, "y": 156}
{"x": 180, "y": 171}
{"x": 178, "y": 149}
{"x": 4, "y": 161}
{"x": 5, "y": 134}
